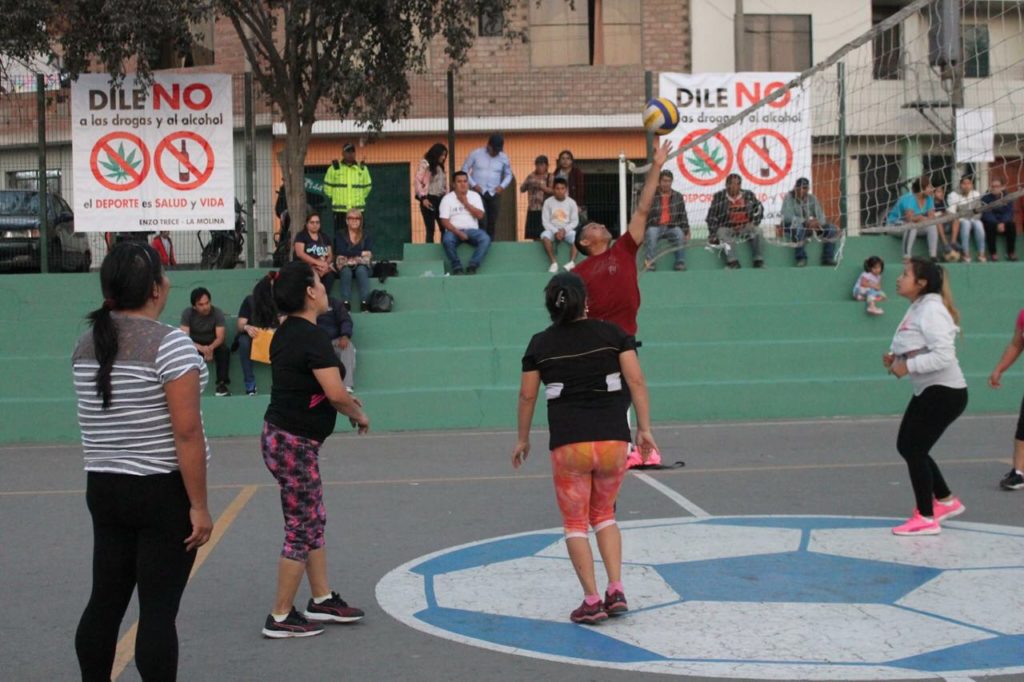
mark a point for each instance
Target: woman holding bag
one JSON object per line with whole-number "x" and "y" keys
{"x": 256, "y": 316}
{"x": 355, "y": 256}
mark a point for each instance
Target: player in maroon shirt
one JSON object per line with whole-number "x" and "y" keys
{"x": 610, "y": 271}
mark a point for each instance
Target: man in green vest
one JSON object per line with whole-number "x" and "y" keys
{"x": 347, "y": 184}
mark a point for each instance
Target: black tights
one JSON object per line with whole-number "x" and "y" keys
{"x": 927, "y": 416}
{"x": 139, "y": 527}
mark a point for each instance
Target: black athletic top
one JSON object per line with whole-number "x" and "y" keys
{"x": 297, "y": 401}
{"x": 579, "y": 365}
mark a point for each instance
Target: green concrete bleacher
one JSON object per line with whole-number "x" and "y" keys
{"x": 717, "y": 345}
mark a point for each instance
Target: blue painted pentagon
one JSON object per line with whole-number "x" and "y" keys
{"x": 1006, "y": 651}
{"x": 800, "y": 522}
{"x": 487, "y": 553}
{"x": 794, "y": 577}
{"x": 559, "y": 639}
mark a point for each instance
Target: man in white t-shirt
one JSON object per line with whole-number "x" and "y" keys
{"x": 560, "y": 217}
{"x": 460, "y": 213}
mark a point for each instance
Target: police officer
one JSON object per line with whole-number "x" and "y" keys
{"x": 347, "y": 184}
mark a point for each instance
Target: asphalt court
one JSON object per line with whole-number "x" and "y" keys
{"x": 395, "y": 498}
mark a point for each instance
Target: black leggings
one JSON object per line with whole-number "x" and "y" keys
{"x": 992, "y": 234}
{"x": 927, "y": 416}
{"x": 139, "y": 527}
{"x": 430, "y": 217}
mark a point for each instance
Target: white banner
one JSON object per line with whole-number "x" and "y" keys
{"x": 769, "y": 149}
{"x": 975, "y": 136}
{"x": 154, "y": 158}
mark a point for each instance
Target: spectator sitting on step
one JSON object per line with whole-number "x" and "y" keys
{"x": 999, "y": 221}
{"x": 337, "y": 322}
{"x": 959, "y": 201}
{"x": 460, "y": 214}
{"x": 916, "y": 206}
{"x": 949, "y": 229}
{"x": 802, "y": 213}
{"x": 560, "y": 217}
{"x": 204, "y": 324}
{"x": 667, "y": 220}
{"x": 257, "y": 312}
{"x": 165, "y": 247}
{"x": 735, "y": 213}
{"x": 313, "y": 247}
{"x": 354, "y": 254}
{"x": 566, "y": 168}
{"x": 537, "y": 186}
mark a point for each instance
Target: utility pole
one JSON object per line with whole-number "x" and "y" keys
{"x": 738, "y": 38}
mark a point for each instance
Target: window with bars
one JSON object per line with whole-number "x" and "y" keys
{"x": 777, "y": 42}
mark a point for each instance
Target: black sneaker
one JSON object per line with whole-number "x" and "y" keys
{"x": 471, "y": 270}
{"x": 458, "y": 271}
{"x": 250, "y": 391}
{"x": 801, "y": 262}
{"x": 615, "y": 603}
{"x": 589, "y": 614}
{"x": 733, "y": 265}
{"x": 1012, "y": 481}
{"x": 295, "y": 625}
{"x": 222, "y": 391}
{"x": 759, "y": 263}
{"x": 333, "y": 610}
{"x": 829, "y": 262}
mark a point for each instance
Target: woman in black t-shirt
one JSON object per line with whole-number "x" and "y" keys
{"x": 590, "y": 371}
{"x": 306, "y": 396}
{"x": 312, "y": 246}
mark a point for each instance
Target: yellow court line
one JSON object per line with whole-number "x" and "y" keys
{"x": 526, "y": 477}
{"x": 126, "y": 645}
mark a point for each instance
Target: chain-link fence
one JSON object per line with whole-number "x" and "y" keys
{"x": 538, "y": 112}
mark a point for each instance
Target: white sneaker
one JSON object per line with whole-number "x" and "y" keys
{"x": 553, "y": 268}
{"x": 569, "y": 266}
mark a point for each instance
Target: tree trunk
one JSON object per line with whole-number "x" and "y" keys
{"x": 296, "y": 143}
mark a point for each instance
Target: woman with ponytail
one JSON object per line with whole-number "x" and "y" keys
{"x": 138, "y": 383}
{"x": 591, "y": 372}
{"x": 924, "y": 348}
{"x": 305, "y": 399}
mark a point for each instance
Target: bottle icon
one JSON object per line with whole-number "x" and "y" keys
{"x": 765, "y": 171}
{"x": 183, "y": 173}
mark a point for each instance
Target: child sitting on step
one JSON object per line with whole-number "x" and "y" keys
{"x": 868, "y": 286}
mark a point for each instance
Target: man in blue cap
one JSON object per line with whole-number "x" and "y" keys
{"x": 489, "y": 174}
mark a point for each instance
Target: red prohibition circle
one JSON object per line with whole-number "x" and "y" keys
{"x": 720, "y": 171}
{"x": 750, "y": 140}
{"x": 167, "y": 146}
{"x": 103, "y": 145}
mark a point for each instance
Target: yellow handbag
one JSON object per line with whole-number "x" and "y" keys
{"x": 260, "y": 351}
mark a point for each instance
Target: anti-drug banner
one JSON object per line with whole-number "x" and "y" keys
{"x": 769, "y": 149}
{"x": 153, "y": 158}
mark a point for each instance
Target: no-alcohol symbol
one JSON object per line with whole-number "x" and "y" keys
{"x": 769, "y": 154}
{"x": 183, "y": 160}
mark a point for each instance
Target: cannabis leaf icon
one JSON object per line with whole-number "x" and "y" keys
{"x": 117, "y": 173}
{"x": 701, "y": 167}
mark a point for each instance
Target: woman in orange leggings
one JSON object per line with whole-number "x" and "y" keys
{"x": 590, "y": 373}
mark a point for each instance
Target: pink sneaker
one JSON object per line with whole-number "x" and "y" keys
{"x": 917, "y": 525}
{"x": 947, "y": 511}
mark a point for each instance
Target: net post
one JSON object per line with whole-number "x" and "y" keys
{"x": 44, "y": 231}
{"x": 451, "y": 122}
{"x": 843, "y": 170}
{"x": 250, "y": 168}
{"x": 648, "y": 96}
{"x": 622, "y": 193}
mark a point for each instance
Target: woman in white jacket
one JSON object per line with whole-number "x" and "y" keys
{"x": 923, "y": 347}
{"x": 968, "y": 197}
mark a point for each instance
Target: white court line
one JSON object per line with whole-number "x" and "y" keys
{"x": 672, "y": 495}
{"x": 958, "y": 679}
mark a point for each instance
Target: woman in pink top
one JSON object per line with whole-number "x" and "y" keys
{"x": 431, "y": 184}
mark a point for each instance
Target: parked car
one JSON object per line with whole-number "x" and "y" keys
{"x": 19, "y": 234}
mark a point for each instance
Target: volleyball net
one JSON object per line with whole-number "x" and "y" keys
{"x": 931, "y": 93}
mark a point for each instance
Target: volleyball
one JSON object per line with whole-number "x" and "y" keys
{"x": 660, "y": 116}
